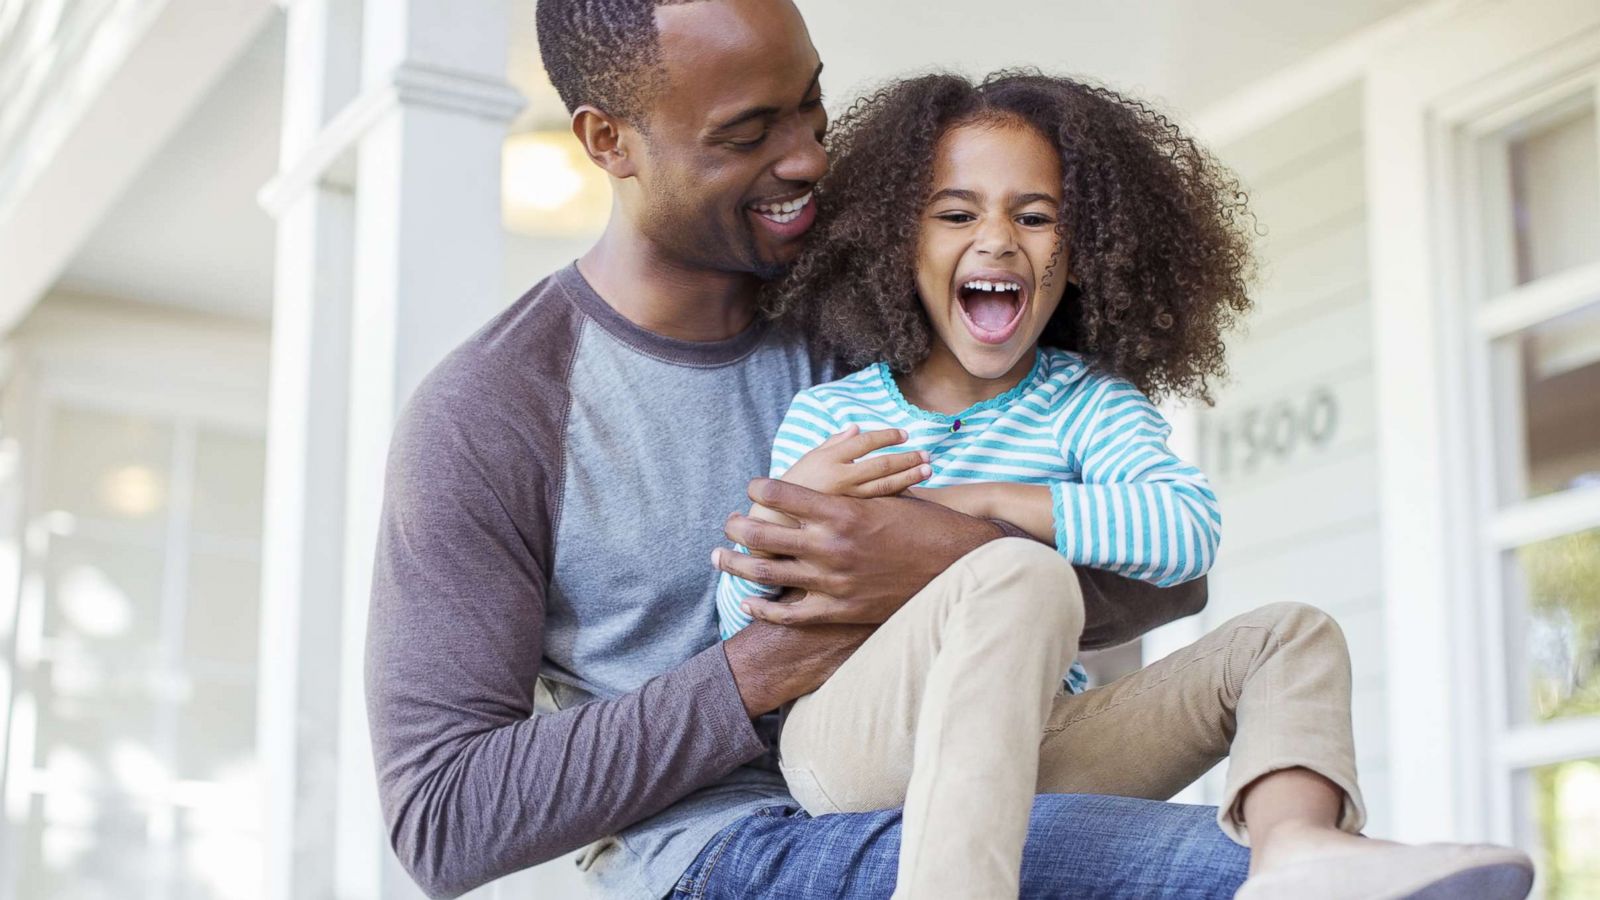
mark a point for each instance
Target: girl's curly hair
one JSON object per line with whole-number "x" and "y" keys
{"x": 1157, "y": 232}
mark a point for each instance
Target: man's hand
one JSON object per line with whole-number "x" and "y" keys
{"x": 858, "y": 561}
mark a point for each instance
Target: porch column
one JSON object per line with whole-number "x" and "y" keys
{"x": 428, "y": 271}
{"x": 303, "y": 561}
{"x": 303, "y": 544}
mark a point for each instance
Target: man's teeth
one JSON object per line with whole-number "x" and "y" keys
{"x": 783, "y": 213}
{"x": 993, "y": 286}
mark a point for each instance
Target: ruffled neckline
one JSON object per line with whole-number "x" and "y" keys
{"x": 1028, "y": 383}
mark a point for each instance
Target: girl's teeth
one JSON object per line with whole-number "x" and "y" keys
{"x": 992, "y": 286}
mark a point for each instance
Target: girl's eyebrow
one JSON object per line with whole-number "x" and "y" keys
{"x": 1025, "y": 199}
{"x": 972, "y": 197}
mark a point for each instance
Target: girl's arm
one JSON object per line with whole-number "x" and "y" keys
{"x": 1140, "y": 511}
{"x": 1027, "y": 506}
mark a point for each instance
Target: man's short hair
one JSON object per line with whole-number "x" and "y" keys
{"x": 604, "y": 53}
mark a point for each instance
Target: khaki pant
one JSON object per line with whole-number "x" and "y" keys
{"x": 954, "y": 709}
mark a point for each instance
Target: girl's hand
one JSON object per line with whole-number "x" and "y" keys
{"x": 835, "y": 466}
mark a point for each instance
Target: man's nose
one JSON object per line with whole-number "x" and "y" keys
{"x": 804, "y": 159}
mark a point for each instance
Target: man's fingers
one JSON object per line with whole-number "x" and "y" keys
{"x": 898, "y": 483}
{"x": 785, "y": 572}
{"x": 762, "y": 536}
{"x": 797, "y": 502}
{"x": 810, "y": 609}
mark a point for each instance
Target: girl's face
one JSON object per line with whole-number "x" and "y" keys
{"x": 987, "y": 238}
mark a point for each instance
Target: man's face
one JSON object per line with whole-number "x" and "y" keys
{"x": 733, "y": 142}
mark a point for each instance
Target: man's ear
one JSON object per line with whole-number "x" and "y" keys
{"x": 602, "y": 138}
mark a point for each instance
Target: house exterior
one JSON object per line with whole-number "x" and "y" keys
{"x": 234, "y": 235}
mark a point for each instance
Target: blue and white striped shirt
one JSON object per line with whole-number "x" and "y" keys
{"x": 1123, "y": 502}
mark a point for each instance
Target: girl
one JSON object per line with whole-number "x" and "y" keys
{"x": 1024, "y": 263}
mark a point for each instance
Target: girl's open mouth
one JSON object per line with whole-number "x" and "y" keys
{"x": 992, "y": 307}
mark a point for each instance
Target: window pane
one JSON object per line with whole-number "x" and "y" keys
{"x": 217, "y": 734}
{"x": 76, "y": 847}
{"x": 108, "y": 466}
{"x": 1555, "y": 187}
{"x": 1561, "y": 815}
{"x": 1557, "y": 584}
{"x": 223, "y": 613}
{"x": 216, "y": 860}
{"x": 1548, "y": 407}
{"x": 97, "y": 728}
{"x": 104, "y": 598}
{"x": 228, "y": 482}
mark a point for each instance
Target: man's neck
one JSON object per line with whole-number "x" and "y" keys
{"x": 664, "y": 296}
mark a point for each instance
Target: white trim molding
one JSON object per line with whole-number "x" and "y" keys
{"x": 409, "y": 84}
{"x": 1443, "y": 697}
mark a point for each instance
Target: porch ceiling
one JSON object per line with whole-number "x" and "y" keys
{"x": 189, "y": 233}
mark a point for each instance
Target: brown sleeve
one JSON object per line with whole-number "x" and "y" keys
{"x": 1119, "y": 609}
{"x": 473, "y": 785}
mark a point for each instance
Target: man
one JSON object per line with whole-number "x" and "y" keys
{"x": 552, "y": 504}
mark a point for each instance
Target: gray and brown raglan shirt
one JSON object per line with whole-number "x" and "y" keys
{"x": 542, "y": 661}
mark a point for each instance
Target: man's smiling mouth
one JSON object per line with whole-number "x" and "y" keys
{"x": 785, "y": 212}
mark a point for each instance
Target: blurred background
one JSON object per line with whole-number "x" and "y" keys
{"x": 234, "y": 234}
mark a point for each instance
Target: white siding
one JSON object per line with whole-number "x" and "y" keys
{"x": 1300, "y": 512}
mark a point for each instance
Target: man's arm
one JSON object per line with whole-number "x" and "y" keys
{"x": 773, "y": 664}
{"x": 473, "y": 788}
{"x": 1119, "y": 609}
{"x": 860, "y": 560}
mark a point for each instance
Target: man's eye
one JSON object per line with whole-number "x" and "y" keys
{"x": 748, "y": 143}
{"x": 812, "y": 104}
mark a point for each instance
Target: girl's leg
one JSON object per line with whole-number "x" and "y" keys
{"x": 941, "y": 710}
{"x": 1273, "y": 687}
{"x": 1270, "y": 689}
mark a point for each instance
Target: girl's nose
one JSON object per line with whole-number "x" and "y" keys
{"x": 996, "y": 239}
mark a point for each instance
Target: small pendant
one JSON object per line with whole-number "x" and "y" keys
{"x": 956, "y": 425}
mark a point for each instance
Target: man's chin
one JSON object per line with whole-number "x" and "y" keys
{"x": 771, "y": 271}
{"x": 772, "y": 263}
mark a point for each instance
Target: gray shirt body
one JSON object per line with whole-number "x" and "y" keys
{"x": 554, "y": 492}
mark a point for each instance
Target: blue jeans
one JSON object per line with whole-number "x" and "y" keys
{"x": 1079, "y": 846}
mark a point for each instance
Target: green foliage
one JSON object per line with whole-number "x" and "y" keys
{"x": 1563, "y": 578}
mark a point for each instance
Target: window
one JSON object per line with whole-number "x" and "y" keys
{"x": 1529, "y": 204}
{"x": 132, "y": 752}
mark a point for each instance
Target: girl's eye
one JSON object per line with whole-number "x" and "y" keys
{"x": 955, "y": 217}
{"x": 1033, "y": 219}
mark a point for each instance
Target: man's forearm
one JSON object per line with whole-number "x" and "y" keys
{"x": 773, "y": 664}
{"x": 1118, "y": 609}
{"x": 473, "y": 791}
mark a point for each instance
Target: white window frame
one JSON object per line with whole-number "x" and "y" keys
{"x": 1451, "y": 757}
